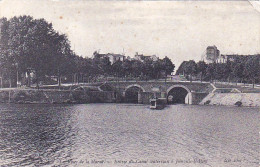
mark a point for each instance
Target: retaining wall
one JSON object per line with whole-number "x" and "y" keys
{"x": 55, "y": 96}
{"x": 229, "y": 99}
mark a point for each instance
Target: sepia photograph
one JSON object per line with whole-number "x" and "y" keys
{"x": 129, "y": 83}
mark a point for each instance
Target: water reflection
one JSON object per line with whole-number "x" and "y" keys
{"x": 67, "y": 134}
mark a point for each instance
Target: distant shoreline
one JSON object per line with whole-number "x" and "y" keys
{"x": 43, "y": 96}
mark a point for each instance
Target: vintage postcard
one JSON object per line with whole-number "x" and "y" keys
{"x": 129, "y": 83}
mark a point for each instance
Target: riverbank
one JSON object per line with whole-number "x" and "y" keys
{"x": 34, "y": 96}
{"x": 50, "y": 96}
{"x": 232, "y": 99}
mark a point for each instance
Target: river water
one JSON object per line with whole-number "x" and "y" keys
{"x": 128, "y": 135}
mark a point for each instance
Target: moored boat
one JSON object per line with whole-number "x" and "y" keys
{"x": 158, "y": 103}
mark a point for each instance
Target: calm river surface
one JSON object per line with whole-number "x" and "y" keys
{"x": 128, "y": 135}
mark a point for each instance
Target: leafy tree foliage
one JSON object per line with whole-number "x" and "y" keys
{"x": 28, "y": 44}
{"x": 188, "y": 69}
{"x": 241, "y": 68}
{"x": 252, "y": 69}
{"x": 201, "y": 69}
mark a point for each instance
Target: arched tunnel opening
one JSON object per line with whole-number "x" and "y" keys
{"x": 131, "y": 94}
{"x": 177, "y": 95}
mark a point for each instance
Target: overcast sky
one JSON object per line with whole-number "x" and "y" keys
{"x": 179, "y": 30}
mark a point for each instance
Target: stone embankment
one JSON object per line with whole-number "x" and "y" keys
{"x": 54, "y": 96}
{"x": 232, "y": 99}
{"x": 99, "y": 96}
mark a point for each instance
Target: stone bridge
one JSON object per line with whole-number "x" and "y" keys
{"x": 175, "y": 92}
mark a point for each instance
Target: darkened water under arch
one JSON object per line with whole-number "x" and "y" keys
{"x": 177, "y": 95}
{"x": 131, "y": 94}
{"x": 49, "y": 135}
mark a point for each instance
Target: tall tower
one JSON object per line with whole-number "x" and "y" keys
{"x": 212, "y": 54}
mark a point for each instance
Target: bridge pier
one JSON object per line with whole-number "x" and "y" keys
{"x": 188, "y": 98}
{"x": 191, "y": 97}
{"x": 175, "y": 92}
{"x": 140, "y": 99}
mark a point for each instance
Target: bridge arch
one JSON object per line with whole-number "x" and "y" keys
{"x": 132, "y": 93}
{"x": 135, "y": 85}
{"x": 179, "y": 94}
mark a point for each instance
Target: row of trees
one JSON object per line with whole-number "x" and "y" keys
{"x": 146, "y": 69}
{"x": 101, "y": 67}
{"x": 244, "y": 69}
{"x": 28, "y": 44}
{"x": 32, "y": 44}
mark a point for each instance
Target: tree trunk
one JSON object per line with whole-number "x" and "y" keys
{"x": 37, "y": 83}
{"x": 37, "y": 80}
{"x": 75, "y": 78}
{"x": 29, "y": 79}
{"x": 10, "y": 82}
{"x": 17, "y": 78}
{"x": 59, "y": 81}
{"x": 1, "y": 81}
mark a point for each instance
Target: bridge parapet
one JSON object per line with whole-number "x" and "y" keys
{"x": 148, "y": 86}
{"x": 196, "y": 91}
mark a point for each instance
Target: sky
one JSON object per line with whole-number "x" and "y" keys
{"x": 180, "y": 30}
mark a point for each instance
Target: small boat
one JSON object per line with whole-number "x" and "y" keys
{"x": 158, "y": 103}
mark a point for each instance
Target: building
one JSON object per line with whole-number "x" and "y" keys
{"x": 212, "y": 54}
{"x": 115, "y": 57}
{"x": 222, "y": 59}
{"x": 130, "y": 58}
{"x": 142, "y": 57}
{"x": 232, "y": 57}
{"x": 120, "y": 57}
{"x": 111, "y": 56}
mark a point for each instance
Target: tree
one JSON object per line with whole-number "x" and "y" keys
{"x": 228, "y": 69}
{"x": 29, "y": 44}
{"x": 181, "y": 69}
{"x": 147, "y": 69}
{"x": 220, "y": 71}
{"x": 252, "y": 68}
{"x": 105, "y": 65}
{"x": 127, "y": 67}
{"x": 138, "y": 68}
{"x": 168, "y": 66}
{"x": 117, "y": 68}
{"x": 63, "y": 52}
{"x": 210, "y": 71}
{"x": 190, "y": 69}
{"x": 33, "y": 44}
{"x": 6, "y": 63}
{"x": 157, "y": 68}
{"x": 237, "y": 71}
{"x": 201, "y": 68}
